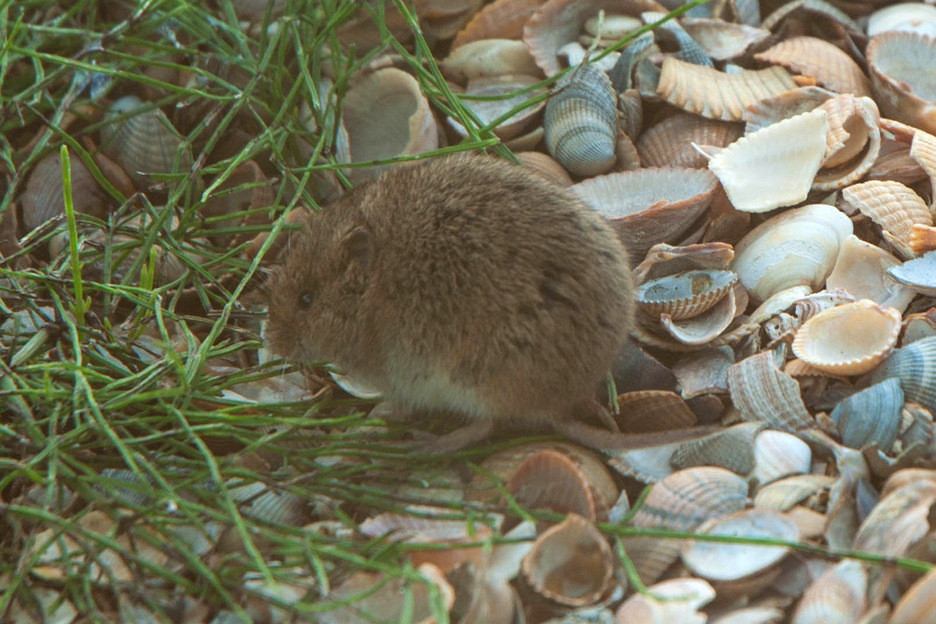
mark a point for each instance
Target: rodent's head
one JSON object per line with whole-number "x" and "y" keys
{"x": 315, "y": 296}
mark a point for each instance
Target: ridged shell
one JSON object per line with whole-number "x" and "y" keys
{"x": 681, "y": 502}
{"x": 550, "y": 480}
{"x": 42, "y": 199}
{"x": 723, "y": 40}
{"x": 385, "y": 115}
{"x": 923, "y": 151}
{"x": 849, "y": 339}
{"x": 509, "y": 94}
{"x": 922, "y": 238}
{"x": 502, "y": 19}
{"x": 674, "y": 600}
{"x": 705, "y": 327}
{"x": 796, "y": 247}
{"x": 487, "y": 58}
{"x": 545, "y": 166}
{"x": 853, "y": 141}
{"x": 143, "y": 144}
{"x": 778, "y": 454}
{"x": 669, "y": 143}
{"x": 715, "y": 94}
{"x": 646, "y": 411}
{"x": 732, "y": 448}
{"x": 898, "y": 520}
{"x": 774, "y": 166}
{"x": 871, "y": 416}
{"x": 918, "y": 604}
{"x": 813, "y": 9}
{"x": 570, "y": 563}
{"x": 907, "y": 16}
{"x": 861, "y": 269}
{"x": 783, "y": 494}
{"x": 789, "y": 104}
{"x": 904, "y": 86}
{"x": 915, "y": 366}
{"x": 892, "y": 206}
{"x": 828, "y": 65}
{"x": 581, "y": 122}
{"x": 649, "y": 206}
{"x": 918, "y": 275}
{"x": 684, "y": 295}
{"x": 762, "y": 393}
{"x": 836, "y": 597}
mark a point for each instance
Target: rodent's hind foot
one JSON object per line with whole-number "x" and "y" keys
{"x": 457, "y": 440}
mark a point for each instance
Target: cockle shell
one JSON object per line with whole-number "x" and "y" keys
{"x": 502, "y": 19}
{"x": 674, "y": 600}
{"x": 684, "y": 295}
{"x": 510, "y": 93}
{"x": 581, "y": 122}
{"x": 731, "y": 448}
{"x": 853, "y": 141}
{"x": 144, "y": 143}
{"x": 871, "y": 416}
{"x": 849, "y": 339}
{"x": 898, "y": 520}
{"x": 774, "y": 166}
{"x": 681, "y": 502}
{"x": 915, "y": 366}
{"x": 646, "y": 411}
{"x": 487, "y": 58}
{"x": 836, "y": 597}
{"x": 892, "y": 206}
{"x": 861, "y": 269}
{"x": 778, "y": 454}
{"x": 904, "y": 87}
{"x": 551, "y": 480}
{"x": 907, "y": 16}
{"x": 783, "y": 494}
{"x": 570, "y": 563}
{"x": 723, "y": 40}
{"x": 669, "y": 143}
{"x": 814, "y": 8}
{"x": 918, "y": 604}
{"x": 715, "y": 94}
{"x": 763, "y": 393}
{"x": 828, "y": 65}
{"x": 703, "y": 328}
{"x": 796, "y": 247}
{"x": 788, "y": 104}
{"x": 43, "y": 197}
{"x": 922, "y": 238}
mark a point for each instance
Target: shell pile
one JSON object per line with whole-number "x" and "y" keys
{"x": 771, "y": 168}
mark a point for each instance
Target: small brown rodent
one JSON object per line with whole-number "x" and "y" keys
{"x": 465, "y": 285}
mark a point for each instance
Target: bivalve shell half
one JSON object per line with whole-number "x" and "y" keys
{"x": 861, "y": 269}
{"x": 849, "y": 339}
{"x": 823, "y": 61}
{"x": 918, "y": 604}
{"x": 675, "y": 600}
{"x": 919, "y": 274}
{"x": 43, "y": 200}
{"x": 904, "y": 83}
{"x": 915, "y": 366}
{"x": 509, "y": 93}
{"x": 684, "y": 295}
{"x": 551, "y": 480}
{"x": 487, "y": 58}
{"x": 871, "y": 416}
{"x": 581, "y": 122}
{"x": 836, "y": 597}
{"x": 778, "y": 454}
{"x": 899, "y": 520}
{"x": 892, "y": 206}
{"x": 723, "y": 40}
{"x": 763, "y": 393}
{"x": 797, "y": 247}
{"x": 731, "y": 448}
{"x": 774, "y": 166}
{"x": 669, "y": 143}
{"x": 714, "y": 94}
{"x": 853, "y": 141}
{"x": 907, "y": 16}
{"x": 570, "y": 563}
{"x": 502, "y": 19}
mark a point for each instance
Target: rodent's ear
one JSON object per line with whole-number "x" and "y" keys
{"x": 357, "y": 244}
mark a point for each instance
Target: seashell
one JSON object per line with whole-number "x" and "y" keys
{"x": 570, "y": 563}
{"x": 649, "y": 206}
{"x": 684, "y": 295}
{"x": 922, "y": 238}
{"x": 899, "y": 520}
{"x": 715, "y": 94}
{"x": 612, "y": 26}
{"x": 669, "y": 143}
{"x": 704, "y": 372}
{"x": 545, "y": 166}
{"x": 892, "y": 206}
{"x": 663, "y": 259}
{"x": 674, "y": 600}
{"x": 849, "y": 339}
{"x": 732, "y": 448}
{"x": 731, "y": 562}
{"x": 558, "y": 22}
{"x": 488, "y": 58}
{"x": 915, "y": 366}
{"x": 903, "y": 87}
{"x": 581, "y": 122}
{"x": 43, "y": 197}
{"x": 836, "y": 597}
{"x": 689, "y": 50}
{"x": 526, "y": 142}
{"x": 778, "y": 454}
{"x": 918, "y": 275}
{"x": 722, "y": 40}
{"x": 510, "y": 93}
{"x": 627, "y": 157}
{"x": 550, "y": 480}
{"x": 789, "y": 104}
{"x": 762, "y": 393}
{"x": 705, "y": 327}
{"x": 681, "y": 502}
{"x": 923, "y": 151}
{"x": 144, "y": 143}
{"x": 385, "y": 115}
{"x": 647, "y": 411}
{"x": 871, "y": 416}
{"x": 774, "y": 166}
{"x": 920, "y": 325}
{"x": 266, "y": 503}
{"x": 861, "y": 270}
{"x": 918, "y": 603}
{"x": 783, "y": 494}
{"x": 904, "y": 16}
{"x": 829, "y": 66}
{"x": 815, "y": 8}
{"x": 502, "y": 19}
{"x": 853, "y": 141}
{"x": 797, "y": 247}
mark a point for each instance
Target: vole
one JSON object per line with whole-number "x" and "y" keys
{"x": 464, "y": 285}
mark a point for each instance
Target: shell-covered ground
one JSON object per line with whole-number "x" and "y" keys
{"x": 769, "y": 165}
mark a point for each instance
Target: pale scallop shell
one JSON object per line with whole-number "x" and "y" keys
{"x": 705, "y": 327}
{"x": 778, "y": 454}
{"x": 669, "y": 143}
{"x": 892, "y": 206}
{"x": 907, "y": 16}
{"x": 853, "y": 141}
{"x": 849, "y": 339}
{"x": 715, "y": 94}
{"x": 649, "y": 206}
{"x": 904, "y": 85}
{"x": 796, "y": 247}
{"x": 487, "y": 58}
{"x": 774, "y": 166}
{"x": 915, "y": 366}
{"x": 43, "y": 197}
{"x": 684, "y": 295}
{"x": 861, "y": 269}
{"x": 823, "y": 61}
{"x": 898, "y": 520}
{"x": 763, "y": 393}
{"x": 723, "y": 40}
{"x": 570, "y": 563}
{"x": 870, "y": 416}
{"x": 501, "y": 19}
{"x": 785, "y": 493}
{"x": 581, "y": 122}
{"x": 550, "y": 480}
{"x": 837, "y": 596}
{"x": 674, "y": 600}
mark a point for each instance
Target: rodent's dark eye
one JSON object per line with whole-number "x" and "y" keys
{"x": 306, "y": 299}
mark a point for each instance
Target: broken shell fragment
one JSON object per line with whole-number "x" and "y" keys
{"x": 686, "y": 294}
{"x": 778, "y": 454}
{"x": 904, "y": 87}
{"x": 674, "y": 600}
{"x": 507, "y": 90}
{"x": 774, "y": 166}
{"x": 849, "y": 339}
{"x": 892, "y": 206}
{"x": 488, "y": 58}
{"x": 829, "y": 66}
{"x": 853, "y": 141}
{"x": 871, "y": 416}
{"x": 861, "y": 269}
{"x": 669, "y": 143}
{"x": 581, "y": 122}
{"x": 837, "y": 596}
{"x": 706, "y": 326}
{"x": 918, "y": 275}
{"x": 915, "y": 366}
{"x": 763, "y": 393}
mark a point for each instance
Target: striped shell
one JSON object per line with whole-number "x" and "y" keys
{"x": 853, "y": 141}
{"x": 581, "y": 122}
{"x": 686, "y": 294}
{"x": 915, "y": 366}
{"x": 763, "y": 393}
{"x": 892, "y": 206}
{"x": 43, "y": 200}
{"x": 828, "y": 65}
{"x": 871, "y": 416}
{"x": 669, "y": 143}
